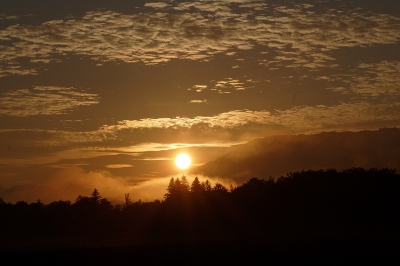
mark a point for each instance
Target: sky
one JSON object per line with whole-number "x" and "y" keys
{"x": 105, "y": 94}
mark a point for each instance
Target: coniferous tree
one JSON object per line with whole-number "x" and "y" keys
{"x": 196, "y": 187}
{"x": 220, "y": 188}
{"x": 184, "y": 186}
{"x": 95, "y": 196}
{"x": 105, "y": 204}
{"x": 206, "y": 186}
{"x": 171, "y": 189}
{"x": 177, "y": 186}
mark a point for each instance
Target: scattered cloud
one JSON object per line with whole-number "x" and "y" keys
{"x": 44, "y": 100}
{"x": 228, "y": 85}
{"x": 224, "y": 86}
{"x": 199, "y": 88}
{"x": 300, "y": 36}
{"x": 369, "y": 80}
{"x": 381, "y": 78}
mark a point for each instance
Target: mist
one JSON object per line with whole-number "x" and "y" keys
{"x": 67, "y": 184}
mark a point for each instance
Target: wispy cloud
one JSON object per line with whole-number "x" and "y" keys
{"x": 116, "y": 166}
{"x": 157, "y": 134}
{"x": 301, "y": 118}
{"x": 148, "y": 147}
{"x": 198, "y": 101}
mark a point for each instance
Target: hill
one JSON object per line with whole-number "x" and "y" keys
{"x": 277, "y": 155}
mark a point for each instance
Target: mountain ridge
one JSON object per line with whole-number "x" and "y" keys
{"x": 277, "y": 155}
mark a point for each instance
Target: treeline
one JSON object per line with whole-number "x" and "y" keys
{"x": 324, "y": 203}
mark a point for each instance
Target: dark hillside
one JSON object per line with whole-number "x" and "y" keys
{"x": 277, "y": 155}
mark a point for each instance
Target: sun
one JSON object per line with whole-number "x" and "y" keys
{"x": 182, "y": 160}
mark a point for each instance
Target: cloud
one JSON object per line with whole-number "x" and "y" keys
{"x": 204, "y": 129}
{"x": 228, "y": 85}
{"x": 150, "y": 134}
{"x": 299, "y": 118}
{"x": 369, "y": 80}
{"x": 198, "y": 101}
{"x": 131, "y": 140}
{"x": 156, "y": 5}
{"x": 14, "y": 68}
{"x": 116, "y": 166}
{"x": 381, "y": 78}
{"x": 5, "y": 17}
{"x": 199, "y": 31}
{"x": 42, "y": 154}
{"x": 44, "y": 100}
{"x": 224, "y": 86}
{"x": 148, "y": 147}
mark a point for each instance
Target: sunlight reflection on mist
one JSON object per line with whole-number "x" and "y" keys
{"x": 68, "y": 183}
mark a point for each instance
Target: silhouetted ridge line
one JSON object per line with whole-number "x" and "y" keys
{"x": 277, "y": 155}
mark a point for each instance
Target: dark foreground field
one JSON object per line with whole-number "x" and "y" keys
{"x": 324, "y": 217}
{"x": 221, "y": 252}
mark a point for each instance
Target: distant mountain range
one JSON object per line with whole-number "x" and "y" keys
{"x": 277, "y": 155}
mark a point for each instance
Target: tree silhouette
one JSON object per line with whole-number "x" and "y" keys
{"x": 128, "y": 201}
{"x": 196, "y": 188}
{"x": 105, "y": 204}
{"x": 171, "y": 189}
{"x": 83, "y": 200}
{"x": 95, "y": 196}
{"x": 219, "y": 188}
{"x": 206, "y": 186}
{"x": 92, "y": 203}
{"x": 184, "y": 185}
{"x": 177, "y": 188}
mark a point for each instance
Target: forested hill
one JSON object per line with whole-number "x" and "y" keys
{"x": 277, "y": 155}
{"x": 355, "y": 203}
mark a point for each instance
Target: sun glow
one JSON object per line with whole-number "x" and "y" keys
{"x": 183, "y": 161}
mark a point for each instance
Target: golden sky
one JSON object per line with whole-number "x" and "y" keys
{"x": 114, "y": 91}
